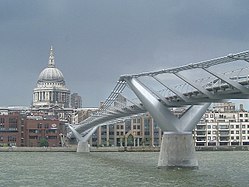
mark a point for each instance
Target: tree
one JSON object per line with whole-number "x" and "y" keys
{"x": 43, "y": 142}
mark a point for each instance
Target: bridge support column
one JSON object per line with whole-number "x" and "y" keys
{"x": 177, "y": 150}
{"x": 83, "y": 147}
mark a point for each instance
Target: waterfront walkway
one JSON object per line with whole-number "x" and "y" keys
{"x": 117, "y": 149}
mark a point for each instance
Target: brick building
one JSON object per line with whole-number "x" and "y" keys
{"x": 38, "y": 130}
{"x": 10, "y": 129}
{"x": 19, "y": 129}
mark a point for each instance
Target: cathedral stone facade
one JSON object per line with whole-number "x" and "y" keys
{"x": 51, "y": 88}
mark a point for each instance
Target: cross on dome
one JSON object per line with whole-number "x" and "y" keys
{"x": 51, "y": 63}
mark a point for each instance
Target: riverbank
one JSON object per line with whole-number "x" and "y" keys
{"x": 116, "y": 149}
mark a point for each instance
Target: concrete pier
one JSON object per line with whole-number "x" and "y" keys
{"x": 177, "y": 150}
{"x": 83, "y": 147}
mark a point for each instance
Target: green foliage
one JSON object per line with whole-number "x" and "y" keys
{"x": 43, "y": 142}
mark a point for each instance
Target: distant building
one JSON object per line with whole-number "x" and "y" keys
{"x": 220, "y": 126}
{"x": 21, "y": 128}
{"x": 76, "y": 101}
{"x": 38, "y": 129}
{"x": 11, "y": 127}
{"x": 51, "y": 87}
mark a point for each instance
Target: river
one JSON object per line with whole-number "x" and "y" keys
{"x": 217, "y": 168}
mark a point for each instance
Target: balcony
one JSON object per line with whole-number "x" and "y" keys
{"x": 201, "y": 129}
{"x": 200, "y": 139}
{"x": 223, "y": 134}
{"x": 201, "y": 133}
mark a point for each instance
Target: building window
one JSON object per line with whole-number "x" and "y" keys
{"x": 243, "y": 126}
{"x": 232, "y": 132}
{"x": 39, "y": 126}
{"x": 240, "y": 115}
{"x": 237, "y": 132}
{"x": 237, "y": 126}
{"x": 232, "y": 126}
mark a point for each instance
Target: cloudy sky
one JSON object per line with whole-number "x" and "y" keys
{"x": 96, "y": 41}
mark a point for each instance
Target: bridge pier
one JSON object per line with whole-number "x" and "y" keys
{"x": 83, "y": 147}
{"x": 177, "y": 150}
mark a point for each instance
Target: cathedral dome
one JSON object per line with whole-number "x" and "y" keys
{"x": 51, "y": 88}
{"x": 51, "y": 73}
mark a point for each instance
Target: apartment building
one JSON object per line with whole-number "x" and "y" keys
{"x": 221, "y": 125}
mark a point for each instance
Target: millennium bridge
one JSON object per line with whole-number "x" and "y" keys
{"x": 193, "y": 86}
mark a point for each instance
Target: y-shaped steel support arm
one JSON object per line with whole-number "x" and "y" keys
{"x": 166, "y": 120}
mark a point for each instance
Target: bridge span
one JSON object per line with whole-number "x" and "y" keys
{"x": 194, "y": 86}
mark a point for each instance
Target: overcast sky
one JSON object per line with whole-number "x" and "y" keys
{"x": 96, "y": 41}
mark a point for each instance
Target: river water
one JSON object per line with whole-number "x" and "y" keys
{"x": 229, "y": 168}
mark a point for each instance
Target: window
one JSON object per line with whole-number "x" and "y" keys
{"x": 237, "y": 132}
{"x": 39, "y": 126}
{"x": 232, "y": 132}
{"x": 237, "y": 126}
{"x": 243, "y": 126}
{"x": 2, "y": 120}
{"x": 240, "y": 115}
{"x": 232, "y": 126}
{"x": 243, "y": 132}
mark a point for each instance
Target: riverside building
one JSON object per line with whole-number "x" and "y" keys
{"x": 220, "y": 126}
{"x": 19, "y": 127}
